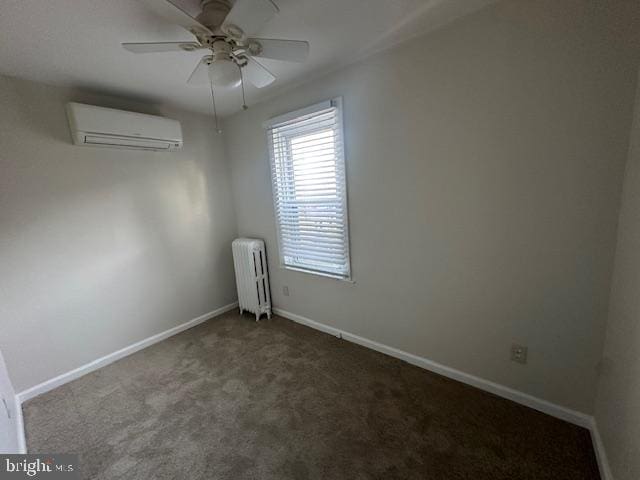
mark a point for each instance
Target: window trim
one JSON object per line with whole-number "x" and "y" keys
{"x": 309, "y": 111}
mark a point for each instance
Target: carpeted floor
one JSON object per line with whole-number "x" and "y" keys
{"x": 236, "y": 399}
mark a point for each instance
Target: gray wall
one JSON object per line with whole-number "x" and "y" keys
{"x": 484, "y": 166}
{"x": 618, "y": 401}
{"x": 100, "y": 248}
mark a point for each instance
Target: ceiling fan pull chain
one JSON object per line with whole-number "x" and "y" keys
{"x": 215, "y": 112}
{"x": 244, "y": 102}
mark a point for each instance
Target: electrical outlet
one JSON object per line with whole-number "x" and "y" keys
{"x": 519, "y": 353}
{"x": 285, "y": 290}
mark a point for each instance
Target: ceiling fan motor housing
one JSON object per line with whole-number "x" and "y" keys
{"x": 221, "y": 50}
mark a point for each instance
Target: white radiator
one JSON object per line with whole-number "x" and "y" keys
{"x": 252, "y": 276}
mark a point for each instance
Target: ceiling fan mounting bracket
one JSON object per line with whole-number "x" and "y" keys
{"x": 189, "y": 47}
{"x": 254, "y": 48}
{"x": 241, "y": 60}
{"x": 235, "y": 32}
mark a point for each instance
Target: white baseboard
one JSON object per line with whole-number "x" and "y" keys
{"x": 309, "y": 323}
{"x": 601, "y": 454}
{"x": 112, "y": 357}
{"x": 563, "y": 413}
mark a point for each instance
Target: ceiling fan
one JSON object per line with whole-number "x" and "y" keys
{"x": 226, "y": 30}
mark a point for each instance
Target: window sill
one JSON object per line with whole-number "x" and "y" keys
{"x": 319, "y": 274}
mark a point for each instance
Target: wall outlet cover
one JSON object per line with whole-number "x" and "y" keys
{"x": 285, "y": 290}
{"x": 519, "y": 353}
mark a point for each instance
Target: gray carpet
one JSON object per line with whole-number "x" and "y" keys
{"x": 236, "y": 399}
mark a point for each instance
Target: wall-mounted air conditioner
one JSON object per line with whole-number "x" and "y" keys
{"x": 106, "y": 127}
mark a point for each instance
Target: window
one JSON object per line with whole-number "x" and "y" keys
{"x": 309, "y": 189}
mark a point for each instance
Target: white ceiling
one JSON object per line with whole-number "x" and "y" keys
{"x": 77, "y": 43}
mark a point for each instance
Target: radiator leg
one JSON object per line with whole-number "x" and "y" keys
{"x": 268, "y": 315}
{"x": 257, "y": 317}
{"x": 241, "y": 311}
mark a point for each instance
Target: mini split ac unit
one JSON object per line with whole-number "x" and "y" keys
{"x": 106, "y": 127}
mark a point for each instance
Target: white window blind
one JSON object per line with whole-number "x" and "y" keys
{"x": 309, "y": 189}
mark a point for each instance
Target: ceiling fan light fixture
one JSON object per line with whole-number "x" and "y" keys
{"x": 224, "y": 73}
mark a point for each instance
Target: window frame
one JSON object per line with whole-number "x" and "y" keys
{"x": 302, "y": 112}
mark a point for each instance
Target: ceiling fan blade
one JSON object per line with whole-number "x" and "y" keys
{"x": 287, "y": 50}
{"x": 200, "y": 75}
{"x": 158, "y": 47}
{"x": 249, "y": 16}
{"x": 175, "y": 14}
{"x": 257, "y": 74}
